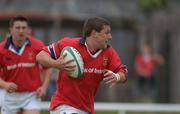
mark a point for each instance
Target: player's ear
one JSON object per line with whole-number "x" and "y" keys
{"x": 10, "y": 29}
{"x": 93, "y": 33}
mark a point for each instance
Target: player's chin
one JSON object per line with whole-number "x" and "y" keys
{"x": 105, "y": 46}
{"x": 21, "y": 39}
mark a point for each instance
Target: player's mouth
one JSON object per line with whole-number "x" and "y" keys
{"x": 106, "y": 42}
{"x": 22, "y": 35}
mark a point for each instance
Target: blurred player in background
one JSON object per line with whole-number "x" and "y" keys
{"x": 145, "y": 63}
{"x": 101, "y": 62}
{"x": 21, "y": 72}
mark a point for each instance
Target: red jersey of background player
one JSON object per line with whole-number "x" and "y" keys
{"x": 75, "y": 92}
{"x": 145, "y": 66}
{"x": 16, "y": 64}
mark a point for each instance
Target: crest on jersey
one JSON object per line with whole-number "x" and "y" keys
{"x": 30, "y": 55}
{"x": 105, "y": 61}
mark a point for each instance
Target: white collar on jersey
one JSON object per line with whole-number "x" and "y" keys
{"x": 93, "y": 55}
{"x": 11, "y": 48}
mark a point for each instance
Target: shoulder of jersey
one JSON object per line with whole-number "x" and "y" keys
{"x": 2, "y": 44}
{"x": 73, "y": 54}
{"x": 69, "y": 40}
{"x": 34, "y": 41}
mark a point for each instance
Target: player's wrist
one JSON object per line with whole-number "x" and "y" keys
{"x": 117, "y": 76}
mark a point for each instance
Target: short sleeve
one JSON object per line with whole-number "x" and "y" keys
{"x": 115, "y": 63}
{"x": 53, "y": 50}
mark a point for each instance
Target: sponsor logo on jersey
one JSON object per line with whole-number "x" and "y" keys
{"x": 11, "y": 67}
{"x": 93, "y": 70}
{"x": 105, "y": 61}
{"x": 30, "y": 55}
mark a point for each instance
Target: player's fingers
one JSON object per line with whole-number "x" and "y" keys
{"x": 40, "y": 92}
{"x": 112, "y": 84}
{"x": 12, "y": 86}
{"x": 110, "y": 81}
{"x": 69, "y": 61}
{"x": 66, "y": 63}
{"x": 63, "y": 56}
{"x": 69, "y": 69}
{"x": 108, "y": 77}
{"x": 107, "y": 72}
{"x": 10, "y": 90}
{"x": 70, "y": 66}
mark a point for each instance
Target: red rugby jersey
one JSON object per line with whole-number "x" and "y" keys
{"x": 80, "y": 92}
{"x": 21, "y": 67}
{"x": 145, "y": 66}
{"x": 1, "y": 73}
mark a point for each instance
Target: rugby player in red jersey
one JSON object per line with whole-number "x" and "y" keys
{"x": 101, "y": 62}
{"x": 21, "y": 71}
{"x": 145, "y": 66}
{"x": 2, "y": 91}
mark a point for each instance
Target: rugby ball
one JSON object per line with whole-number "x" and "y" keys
{"x": 72, "y": 53}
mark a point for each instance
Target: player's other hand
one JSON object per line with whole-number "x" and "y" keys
{"x": 110, "y": 77}
{"x": 41, "y": 92}
{"x": 10, "y": 87}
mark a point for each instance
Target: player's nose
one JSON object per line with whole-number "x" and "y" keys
{"x": 109, "y": 36}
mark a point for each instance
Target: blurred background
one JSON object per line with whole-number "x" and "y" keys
{"x": 135, "y": 23}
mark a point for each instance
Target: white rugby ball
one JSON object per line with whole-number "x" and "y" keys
{"x": 72, "y": 53}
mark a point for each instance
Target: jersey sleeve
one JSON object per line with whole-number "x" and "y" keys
{"x": 53, "y": 49}
{"x": 115, "y": 63}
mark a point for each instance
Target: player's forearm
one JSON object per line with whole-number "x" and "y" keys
{"x": 3, "y": 84}
{"x": 46, "y": 76}
{"x": 44, "y": 59}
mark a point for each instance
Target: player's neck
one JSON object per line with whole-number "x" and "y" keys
{"x": 91, "y": 45}
{"x": 18, "y": 43}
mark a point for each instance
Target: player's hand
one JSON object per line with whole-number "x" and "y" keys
{"x": 10, "y": 87}
{"x": 41, "y": 91}
{"x": 110, "y": 77}
{"x": 65, "y": 65}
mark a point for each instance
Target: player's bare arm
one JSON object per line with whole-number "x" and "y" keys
{"x": 45, "y": 59}
{"x": 41, "y": 91}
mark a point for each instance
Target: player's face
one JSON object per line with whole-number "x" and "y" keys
{"x": 103, "y": 37}
{"x": 19, "y": 31}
